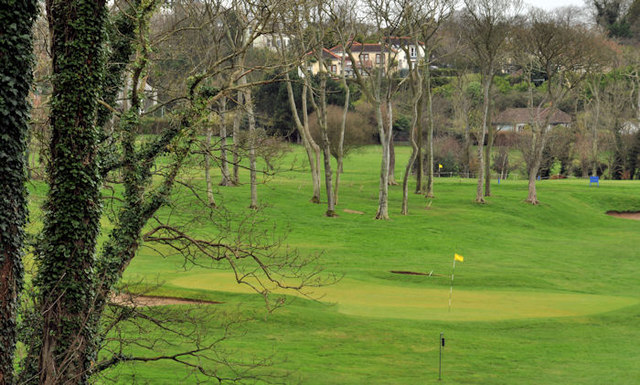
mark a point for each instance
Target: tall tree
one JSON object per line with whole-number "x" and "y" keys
{"x": 342, "y": 17}
{"x": 564, "y": 53}
{"x": 318, "y": 18}
{"x": 73, "y": 206}
{"x": 422, "y": 21}
{"x": 486, "y": 26}
{"x": 17, "y": 18}
{"x": 378, "y": 84}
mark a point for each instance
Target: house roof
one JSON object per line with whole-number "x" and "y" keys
{"x": 363, "y": 48}
{"x": 525, "y": 115}
{"x": 327, "y": 54}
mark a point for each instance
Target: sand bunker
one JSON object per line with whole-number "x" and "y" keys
{"x": 625, "y": 214}
{"x": 145, "y": 300}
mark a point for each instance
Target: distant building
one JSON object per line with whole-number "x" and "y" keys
{"x": 405, "y": 43}
{"x": 272, "y": 42}
{"x": 516, "y": 119}
{"x": 369, "y": 56}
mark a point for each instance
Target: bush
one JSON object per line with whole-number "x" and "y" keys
{"x": 358, "y": 132}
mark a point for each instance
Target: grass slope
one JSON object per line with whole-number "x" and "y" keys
{"x": 546, "y": 294}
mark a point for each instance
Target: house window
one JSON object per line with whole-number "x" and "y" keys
{"x": 378, "y": 58}
{"x": 412, "y": 52}
{"x": 364, "y": 57}
{"x": 334, "y": 68}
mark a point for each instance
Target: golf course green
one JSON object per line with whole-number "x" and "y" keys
{"x": 546, "y": 294}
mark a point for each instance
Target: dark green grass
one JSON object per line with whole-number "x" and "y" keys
{"x": 566, "y": 245}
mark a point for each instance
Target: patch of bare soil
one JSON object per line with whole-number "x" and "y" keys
{"x": 353, "y": 211}
{"x": 625, "y": 214}
{"x": 146, "y": 300}
{"x": 415, "y": 273}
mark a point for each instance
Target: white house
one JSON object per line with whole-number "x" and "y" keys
{"x": 516, "y": 119}
{"x": 405, "y": 43}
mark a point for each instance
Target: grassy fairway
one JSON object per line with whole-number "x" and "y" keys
{"x": 546, "y": 295}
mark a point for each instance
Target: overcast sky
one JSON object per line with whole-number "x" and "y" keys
{"x": 551, "y": 4}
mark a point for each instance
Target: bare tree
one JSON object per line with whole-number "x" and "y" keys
{"x": 295, "y": 18}
{"x": 342, "y": 16}
{"x": 378, "y": 84}
{"x": 486, "y": 26}
{"x": 422, "y": 21}
{"x": 565, "y": 54}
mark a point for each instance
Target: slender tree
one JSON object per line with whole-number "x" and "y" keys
{"x": 342, "y": 16}
{"x": 486, "y": 24}
{"x": 379, "y": 85}
{"x": 16, "y": 46}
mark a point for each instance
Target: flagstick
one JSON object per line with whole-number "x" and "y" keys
{"x": 451, "y": 289}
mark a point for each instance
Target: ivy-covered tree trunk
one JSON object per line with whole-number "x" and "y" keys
{"x": 66, "y": 251}
{"x": 16, "y": 20}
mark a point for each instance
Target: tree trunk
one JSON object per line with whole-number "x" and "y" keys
{"x": 533, "y": 195}
{"x": 310, "y": 146}
{"x": 252, "y": 149}
{"x": 537, "y": 144}
{"x": 485, "y": 116}
{"x": 385, "y": 139}
{"x": 321, "y": 113}
{"x": 430, "y": 161}
{"x": 73, "y": 206}
{"x": 392, "y": 163}
{"x": 237, "y": 119}
{"x": 15, "y": 81}
{"x": 467, "y": 149}
{"x": 407, "y": 172}
{"x": 420, "y": 155}
{"x": 416, "y": 88}
{"x": 207, "y": 166}
{"x": 487, "y": 164}
{"x": 331, "y": 207}
{"x": 343, "y": 128}
{"x": 224, "y": 163}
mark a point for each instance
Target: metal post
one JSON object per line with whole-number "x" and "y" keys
{"x": 441, "y": 343}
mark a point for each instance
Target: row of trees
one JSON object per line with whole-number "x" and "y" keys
{"x": 487, "y": 37}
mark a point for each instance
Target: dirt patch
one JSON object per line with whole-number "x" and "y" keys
{"x": 416, "y": 273}
{"x": 625, "y": 214}
{"x": 353, "y": 211}
{"x": 146, "y": 300}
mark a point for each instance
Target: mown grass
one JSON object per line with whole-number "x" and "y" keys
{"x": 547, "y": 294}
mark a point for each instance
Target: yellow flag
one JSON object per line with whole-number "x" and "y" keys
{"x": 439, "y": 166}
{"x": 458, "y": 257}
